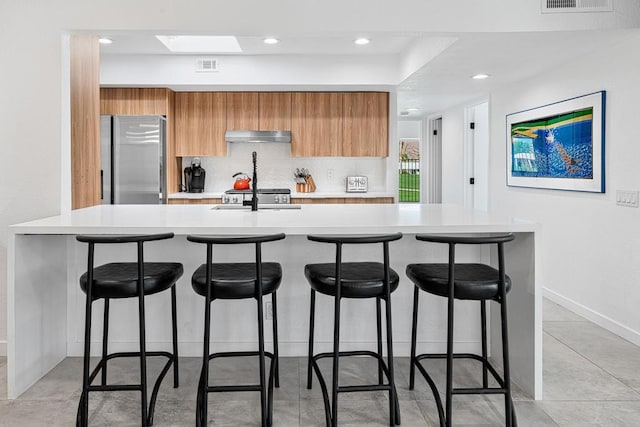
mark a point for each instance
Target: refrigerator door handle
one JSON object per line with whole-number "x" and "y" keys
{"x": 101, "y": 184}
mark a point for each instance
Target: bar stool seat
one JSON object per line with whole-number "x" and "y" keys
{"x": 237, "y": 280}
{"x": 359, "y": 279}
{"x": 120, "y": 279}
{"x": 472, "y": 281}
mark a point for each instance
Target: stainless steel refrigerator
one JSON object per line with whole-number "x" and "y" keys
{"x": 132, "y": 159}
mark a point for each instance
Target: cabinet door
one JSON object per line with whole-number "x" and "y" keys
{"x": 316, "y": 124}
{"x": 366, "y": 124}
{"x": 200, "y": 124}
{"x": 242, "y": 110}
{"x": 275, "y": 111}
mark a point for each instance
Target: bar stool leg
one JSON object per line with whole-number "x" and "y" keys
{"x": 394, "y": 409}
{"x": 274, "y": 306}
{"x": 379, "y": 325}
{"x": 508, "y": 408}
{"x": 414, "y": 333}
{"x": 263, "y": 395}
{"x": 105, "y": 335}
{"x": 449, "y": 390}
{"x": 174, "y": 324}
{"x": 311, "y": 324}
{"x": 483, "y": 322}
{"x": 83, "y": 407}
{"x": 143, "y": 360}
{"x": 336, "y": 360}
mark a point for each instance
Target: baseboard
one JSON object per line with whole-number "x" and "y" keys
{"x": 593, "y": 316}
{"x": 3, "y": 348}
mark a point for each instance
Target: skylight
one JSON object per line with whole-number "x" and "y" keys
{"x": 201, "y": 44}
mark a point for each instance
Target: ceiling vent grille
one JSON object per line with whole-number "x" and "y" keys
{"x": 576, "y": 6}
{"x": 206, "y": 65}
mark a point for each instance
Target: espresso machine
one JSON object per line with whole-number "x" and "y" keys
{"x": 194, "y": 177}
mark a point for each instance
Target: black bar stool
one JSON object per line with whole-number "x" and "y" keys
{"x": 126, "y": 280}
{"x": 238, "y": 281}
{"x": 354, "y": 280}
{"x": 464, "y": 282}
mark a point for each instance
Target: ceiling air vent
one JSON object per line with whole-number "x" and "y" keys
{"x": 206, "y": 65}
{"x": 576, "y": 6}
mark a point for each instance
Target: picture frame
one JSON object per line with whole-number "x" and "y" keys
{"x": 558, "y": 146}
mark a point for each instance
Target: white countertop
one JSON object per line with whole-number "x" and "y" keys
{"x": 294, "y": 194}
{"x": 324, "y": 218}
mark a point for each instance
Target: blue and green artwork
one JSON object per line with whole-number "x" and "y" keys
{"x": 558, "y": 146}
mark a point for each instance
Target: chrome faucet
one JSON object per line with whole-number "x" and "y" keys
{"x": 254, "y": 189}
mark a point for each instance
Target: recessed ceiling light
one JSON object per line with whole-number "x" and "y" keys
{"x": 271, "y": 40}
{"x": 201, "y": 44}
{"x": 104, "y": 40}
{"x": 362, "y": 41}
{"x": 480, "y": 76}
{"x": 413, "y": 109}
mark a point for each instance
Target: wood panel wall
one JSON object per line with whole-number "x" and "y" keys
{"x": 85, "y": 121}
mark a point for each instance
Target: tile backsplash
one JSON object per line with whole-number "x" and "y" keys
{"x": 276, "y": 168}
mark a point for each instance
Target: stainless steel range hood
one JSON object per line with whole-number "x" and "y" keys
{"x": 258, "y": 136}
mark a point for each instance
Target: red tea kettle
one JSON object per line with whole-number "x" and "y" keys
{"x": 242, "y": 181}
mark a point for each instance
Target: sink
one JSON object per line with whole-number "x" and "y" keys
{"x": 271, "y": 207}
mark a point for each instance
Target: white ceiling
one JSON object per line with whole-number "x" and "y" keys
{"x": 442, "y": 82}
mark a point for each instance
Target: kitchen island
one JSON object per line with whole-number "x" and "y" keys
{"x": 46, "y": 305}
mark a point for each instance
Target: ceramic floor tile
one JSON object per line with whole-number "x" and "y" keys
{"x": 476, "y": 413}
{"x": 615, "y": 355}
{"x": 552, "y": 312}
{"x": 37, "y": 413}
{"x": 580, "y": 414}
{"x": 569, "y": 376}
{"x": 360, "y": 412}
{"x": 531, "y": 413}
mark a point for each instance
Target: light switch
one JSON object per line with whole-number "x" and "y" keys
{"x": 627, "y": 198}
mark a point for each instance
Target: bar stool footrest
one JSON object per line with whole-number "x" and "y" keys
{"x": 133, "y": 387}
{"x": 354, "y": 388}
{"x": 460, "y": 391}
{"x": 480, "y": 359}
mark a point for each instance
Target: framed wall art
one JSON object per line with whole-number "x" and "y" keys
{"x": 558, "y": 146}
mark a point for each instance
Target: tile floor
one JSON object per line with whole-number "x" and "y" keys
{"x": 591, "y": 377}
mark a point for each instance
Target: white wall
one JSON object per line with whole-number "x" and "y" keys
{"x": 409, "y": 129}
{"x": 590, "y": 247}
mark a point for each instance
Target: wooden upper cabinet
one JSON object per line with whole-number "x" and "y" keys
{"x": 316, "y": 124}
{"x": 200, "y": 122}
{"x": 242, "y": 110}
{"x": 134, "y": 101}
{"x": 275, "y": 111}
{"x": 366, "y": 124}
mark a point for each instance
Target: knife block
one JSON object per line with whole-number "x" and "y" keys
{"x": 308, "y": 187}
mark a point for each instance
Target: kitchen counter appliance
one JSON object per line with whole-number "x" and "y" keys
{"x": 194, "y": 176}
{"x": 357, "y": 184}
{"x": 270, "y": 196}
